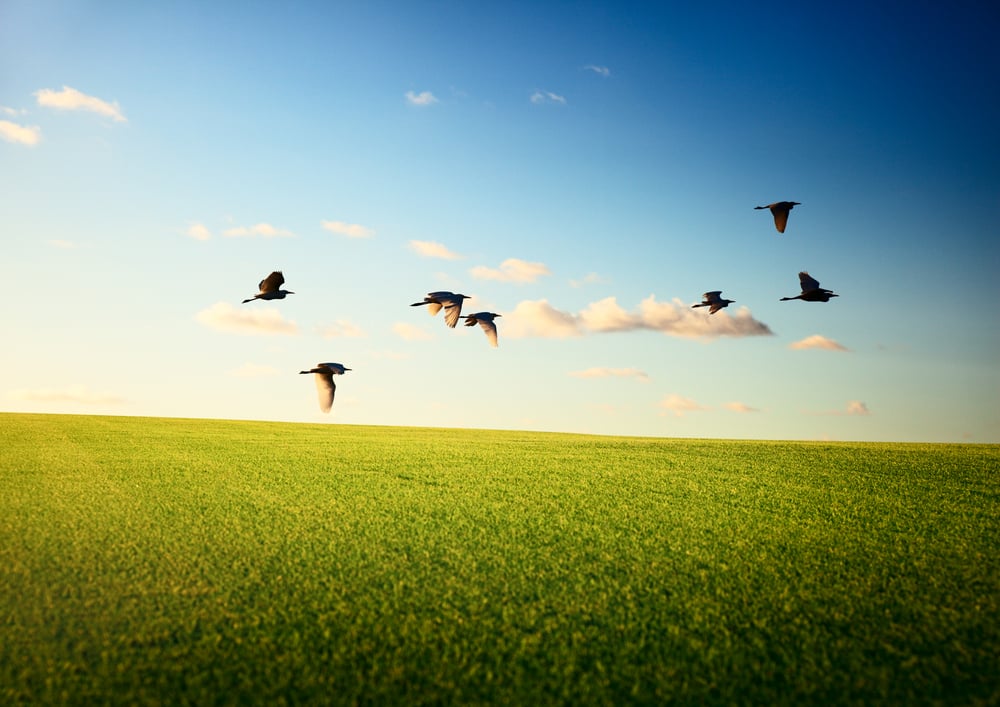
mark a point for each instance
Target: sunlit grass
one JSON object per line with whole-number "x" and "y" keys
{"x": 191, "y": 561}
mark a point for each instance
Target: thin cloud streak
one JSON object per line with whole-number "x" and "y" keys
{"x": 817, "y": 341}
{"x": 29, "y": 135}
{"x": 342, "y": 329}
{"x": 224, "y": 317}
{"x": 511, "y": 270}
{"x": 73, "y": 394}
{"x": 600, "y": 372}
{"x": 539, "y": 97}
{"x": 432, "y": 249}
{"x": 678, "y": 405}
{"x": 740, "y": 407}
{"x": 599, "y": 70}
{"x": 71, "y": 99}
{"x": 676, "y": 318}
{"x": 351, "y": 230}
{"x": 264, "y": 230}
{"x": 410, "y": 332}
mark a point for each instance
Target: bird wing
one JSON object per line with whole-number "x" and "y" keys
{"x": 433, "y": 308}
{"x": 807, "y": 282}
{"x": 272, "y": 282}
{"x": 712, "y": 296}
{"x": 716, "y": 306}
{"x": 325, "y": 388}
{"x": 490, "y": 327}
{"x": 452, "y": 311}
{"x": 337, "y": 369}
{"x": 780, "y": 217}
{"x": 443, "y": 294}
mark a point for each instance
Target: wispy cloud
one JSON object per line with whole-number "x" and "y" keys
{"x": 342, "y": 329}
{"x": 598, "y": 372}
{"x": 547, "y": 97}
{"x": 71, "y": 99}
{"x": 223, "y": 316}
{"x": 600, "y": 70}
{"x": 199, "y": 232}
{"x": 678, "y": 405}
{"x": 424, "y": 98}
{"x": 351, "y": 230}
{"x": 739, "y": 407}
{"x": 676, "y": 318}
{"x": 72, "y": 394}
{"x": 511, "y": 270}
{"x": 409, "y": 332}
{"x": 253, "y": 370}
{"x": 432, "y": 249}
{"x": 62, "y": 244}
{"x": 591, "y": 278}
{"x": 856, "y": 407}
{"x": 816, "y": 341}
{"x": 264, "y": 230}
{"x": 29, "y": 135}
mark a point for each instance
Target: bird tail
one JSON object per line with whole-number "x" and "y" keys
{"x": 249, "y": 300}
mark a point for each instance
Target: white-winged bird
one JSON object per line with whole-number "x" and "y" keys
{"x": 270, "y": 288}
{"x": 485, "y": 320}
{"x": 451, "y": 302}
{"x": 779, "y": 210}
{"x": 325, "y": 387}
{"x": 811, "y": 291}
{"x": 714, "y": 301}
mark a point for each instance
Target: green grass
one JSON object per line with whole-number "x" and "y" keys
{"x": 187, "y": 561}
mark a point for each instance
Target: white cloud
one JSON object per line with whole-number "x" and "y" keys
{"x": 342, "y": 329}
{"x": 6, "y": 110}
{"x": 22, "y": 134}
{"x": 678, "y": 405}
{"x": 432, "y": 249}
{"x": 598, "y": 372}
{"x": 199, "y": 232}
{"x": 253, "y": 370}
{"x": 351, "y": 230}
{"x": 674, "y": 318}
{"x": 601, "y": 70}
{"x": 409, "y": 332}
{"x": 424, "y": 98}
{"x": 71, "y": 99}
{"x": 856, "y": 407}
{"x": 547, "y": 97}
{"x": 72, "y": 394}
{"x": 739, "y": 407}
{"x": 816, "y": 341}
{"x": 223, "y": 316}
{"x": 264, "y": 230}
{"x": 591, "y": 278}
{"x": 511, "y": 270}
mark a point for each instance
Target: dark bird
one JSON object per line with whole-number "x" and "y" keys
{"x": 485, "y": 320}
{"x": 811, "y": 291}
{"x": 451, "y": 303}
{"x": 270, "y": 288}
{"x": 325, "y": 387}
{"x": 714, "y": 301}
{"x": 779, "y": 210}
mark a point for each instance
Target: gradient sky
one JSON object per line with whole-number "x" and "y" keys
{"x": 587, "y": 170}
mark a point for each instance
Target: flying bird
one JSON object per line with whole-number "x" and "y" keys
{"x": 485, "y": 320}
{"x": 811, "y": 291}
{"x": 451, "y": 302}
{"x": 779, "y": 210}
{"x": 714, "y": 301}
{"x": 270, "y": 288}
{"x": 325, "y": 387}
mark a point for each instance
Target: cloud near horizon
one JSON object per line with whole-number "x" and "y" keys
{"x": 223, "y": 316}
{"x": 739, "y": 407}
{"x": 678, "y": 405}
{"x": 817, "y": 341}
{"x": 351, "y": 230}
{"x": 540, "y": 319}
{"x": 511, "y": 270}
{"x": 433, "y": 249}
{"x": 72, "y": 394}
{"x": 71, "y": 99}
{"x": 264, "y": 230}
{"x": 29, "y": 135}
{"x": 602, "y": 372}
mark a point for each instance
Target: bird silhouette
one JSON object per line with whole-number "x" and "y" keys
{"x": 451, "y": 302}
{"x": 714, "y": 301}
{"x": 811, "y": 291}
{"x": 485, "y": 320}
{"x": 325, "y": 387}
{"x": 270, "y": 288}
{"x": 779, "y": 210}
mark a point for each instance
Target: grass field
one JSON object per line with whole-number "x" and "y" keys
{"x": 203, "y": 562}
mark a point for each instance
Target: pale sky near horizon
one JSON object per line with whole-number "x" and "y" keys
{"x": 585, "y": 169}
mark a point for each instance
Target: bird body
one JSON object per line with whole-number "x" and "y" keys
{"x": 485, "y": 320}
{"x": 449, "y": 301}
{"x": 325, "y": 387}
{"x": 779, "y": 210}
{"x": 270, "y": 288}
{"x": 714, "y": 301}
{"x": 811, "y": 291}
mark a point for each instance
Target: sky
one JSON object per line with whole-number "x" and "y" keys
{"x": 585, "y": 169}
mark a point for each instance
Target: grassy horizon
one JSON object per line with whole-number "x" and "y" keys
{"x": 177, "y": 560}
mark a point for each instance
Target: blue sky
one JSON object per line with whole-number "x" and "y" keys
{"x": 587, "y": 170}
